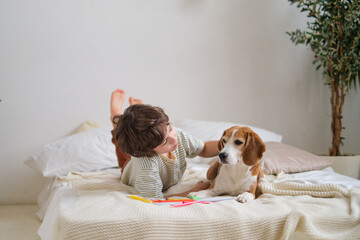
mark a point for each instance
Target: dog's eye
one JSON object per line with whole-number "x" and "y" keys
{"x": 224, "y": 141}
{"x": 238, "y": 142}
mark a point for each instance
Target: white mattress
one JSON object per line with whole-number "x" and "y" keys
{"x": 316, "y": 204}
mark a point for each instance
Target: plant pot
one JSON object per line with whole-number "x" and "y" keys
{"x": 346, "y": 165}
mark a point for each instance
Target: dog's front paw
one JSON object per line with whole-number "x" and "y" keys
{"x": 245, "y": 197}
{"x": 201, "y": 194}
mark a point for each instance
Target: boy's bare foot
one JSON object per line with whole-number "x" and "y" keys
{"x": 133, "y": 101}
{"x": 116, "y": 103}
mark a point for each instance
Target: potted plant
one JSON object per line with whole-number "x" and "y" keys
{"x": 333, "y": 34}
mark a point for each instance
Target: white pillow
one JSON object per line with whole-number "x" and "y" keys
{"x": 85, "y": 151}
{"x": 208, "y": 130}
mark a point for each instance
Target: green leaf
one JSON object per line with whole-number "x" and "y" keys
{"x": 333, "y": 33}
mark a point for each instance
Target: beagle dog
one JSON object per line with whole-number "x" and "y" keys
{"x": 238, "y": 169}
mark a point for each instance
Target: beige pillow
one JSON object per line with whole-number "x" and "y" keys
{"x": 280, "y": 157}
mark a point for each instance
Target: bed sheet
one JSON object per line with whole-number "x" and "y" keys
{"x": 315, "y": 204}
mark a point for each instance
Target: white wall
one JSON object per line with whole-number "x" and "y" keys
{"x": 212, "y": 60}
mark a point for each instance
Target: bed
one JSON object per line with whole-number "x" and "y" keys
{"x": 302, "y": 197}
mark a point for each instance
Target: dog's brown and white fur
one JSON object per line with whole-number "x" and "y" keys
{"x": 238, "y": 169}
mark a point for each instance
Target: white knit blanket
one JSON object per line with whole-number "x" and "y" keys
{"x": 317, "y": 211}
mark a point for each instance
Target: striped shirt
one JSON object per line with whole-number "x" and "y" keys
{"x": 151, "y": 176}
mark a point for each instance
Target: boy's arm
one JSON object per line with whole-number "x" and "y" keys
{"x": 210, "y": 149}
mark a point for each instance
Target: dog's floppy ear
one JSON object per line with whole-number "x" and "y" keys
{"x": 253, "y": 149}
{"x": 213, "y": 171}
{"x": 221, "y": 143}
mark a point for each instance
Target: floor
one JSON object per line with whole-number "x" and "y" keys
{"x": 19, "y": 222}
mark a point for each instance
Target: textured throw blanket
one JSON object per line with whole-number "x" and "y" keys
{"x": 315, "y": 211}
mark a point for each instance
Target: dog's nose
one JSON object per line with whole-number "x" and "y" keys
{"x": 223, "y": 156}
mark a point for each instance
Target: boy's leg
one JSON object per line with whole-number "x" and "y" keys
{"x": 116, "y": 104}
{"x": 122, "y": 157}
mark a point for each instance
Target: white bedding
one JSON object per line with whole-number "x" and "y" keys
{"x": 95, "y": 205}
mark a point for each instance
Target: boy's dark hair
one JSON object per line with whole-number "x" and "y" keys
{"x": 140, "y": 129}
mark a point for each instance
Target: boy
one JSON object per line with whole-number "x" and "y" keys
{"x": 157, "y": 149}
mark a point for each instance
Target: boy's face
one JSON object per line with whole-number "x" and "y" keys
{"x": 170, "y": 142}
